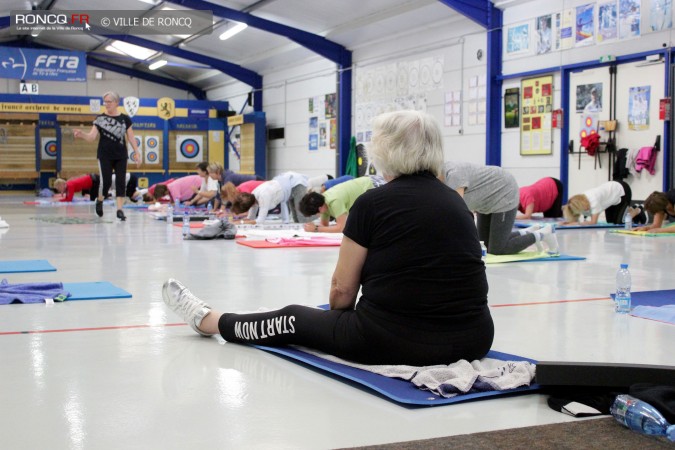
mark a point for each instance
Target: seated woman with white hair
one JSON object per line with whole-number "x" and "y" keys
{"x": 410, "y": 245}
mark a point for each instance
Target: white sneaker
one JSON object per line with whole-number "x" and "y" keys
{"x": 550, "y": 239}
{"x": 185, "y": 304}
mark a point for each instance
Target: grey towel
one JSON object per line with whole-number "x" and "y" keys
{"x": 220, "y": 228}
{"x": 461, "y": 377}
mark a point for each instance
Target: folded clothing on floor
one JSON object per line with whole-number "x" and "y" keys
{"x": 30, "y": 292}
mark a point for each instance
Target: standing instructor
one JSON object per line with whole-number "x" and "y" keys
{"x": 115, "y": 130}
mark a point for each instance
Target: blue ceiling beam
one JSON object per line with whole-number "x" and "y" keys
{"x": 198, "y": 93}
{"x": 477, "y": 10}
{"x": 244, "y": 75}
{"x": 318, "y": 44}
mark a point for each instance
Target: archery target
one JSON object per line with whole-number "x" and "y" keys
{"x": 130, "y": 149}
{"x": 49, "y": 148}
{"x": 589, "y": 125}
{"x": 189, "y": 148}
{"x": 152, "y": 149}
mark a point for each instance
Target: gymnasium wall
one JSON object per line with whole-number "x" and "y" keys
{"x": 528, "y": 169}
{"x": 286, "y": 92}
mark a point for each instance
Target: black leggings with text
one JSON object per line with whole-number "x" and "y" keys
{"x": 355, "y": 336}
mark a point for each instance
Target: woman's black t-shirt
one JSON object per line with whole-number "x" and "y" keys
{"x": 424, "y": 259}
{"x": 112, "y": 131}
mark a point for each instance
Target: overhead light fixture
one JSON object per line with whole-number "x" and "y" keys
{"x": 237, "y": 28}
{"x": 150, "y": 2}
{"x": 497, "y": 4}
{"x": 135, "y": 51}
{"x": 158, "y": 64}
{"x": 35, "y": 33}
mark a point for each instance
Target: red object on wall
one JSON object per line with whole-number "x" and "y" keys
{"x": 664, "y": 109}
{"x": 557, "y": 118}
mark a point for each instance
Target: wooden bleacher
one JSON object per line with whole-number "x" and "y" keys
{"x": 17, "y": 148}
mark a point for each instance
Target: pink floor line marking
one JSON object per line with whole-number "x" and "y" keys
{"x": 68, "y": 330}
{"x": 551, "y": 302}
{"x": 125, "y": 327}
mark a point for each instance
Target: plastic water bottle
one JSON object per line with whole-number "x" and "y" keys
{"x": 483, "y": 251}
{"x": 627, "y": 221}
{"x": 641, "y": 417}
{"x": 169, "y": 214}
{"x": 209, "y": 210}
{"x": 622, "y": 298}
{"x": 186, "y": 223}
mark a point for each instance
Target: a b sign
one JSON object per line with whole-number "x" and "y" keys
{"x": 28, "y": 88}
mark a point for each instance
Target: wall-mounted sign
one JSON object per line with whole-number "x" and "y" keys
{"x": 29, "y": 89}
{"x": 34, "y": 64}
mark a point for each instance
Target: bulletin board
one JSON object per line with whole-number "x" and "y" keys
{"x": 536, "y": 101}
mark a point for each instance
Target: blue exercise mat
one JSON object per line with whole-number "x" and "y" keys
{"x": 27, "y": 265}
{"x": 529, "y": 223}
{"x": 96, "y": 290}
{"x": 652, "y": 298}
{"x": 400, "y": 391}
{"x": 135, "y": 206}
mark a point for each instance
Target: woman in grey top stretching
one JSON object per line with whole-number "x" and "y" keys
{"x": 492, "y": 193}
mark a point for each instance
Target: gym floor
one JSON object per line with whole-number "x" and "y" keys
{"x": 128, "y": 374}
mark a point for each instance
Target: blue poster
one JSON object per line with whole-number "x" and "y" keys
{"x": 313, "y": 141}
{"x": 35, "y": 64}
{"x": 585, "y": 26}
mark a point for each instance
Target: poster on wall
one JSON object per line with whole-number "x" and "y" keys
{"x": 132, "y": 153}
{"x": 536, "y": 100}
{"x": 323, "y": 135}
{"x": 330, "y": 102}
{"x": 189, "y": 148}
{"x": 638, "y": 108}
{"x": 151, "y": 150}
{"x": 585, "y": 25}
{"x": 313, "y": 133}
{"x": 511, "y": 108}
{"x": 557, "y": 23}
{"x": 518, "y": 39}
{"x": 589, "y": 98}
{"x": 567, "y": 29}
{"x": 49, "y": 147}
{"x": 660, "y": 15}
{"x": 544, "y": 34}
{"x": 607, "y": 22}
{"x": 629, "y": 19}
{"x": 333, "y": 133}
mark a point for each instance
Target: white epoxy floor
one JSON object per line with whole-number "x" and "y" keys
{"x": 114, "y": 374}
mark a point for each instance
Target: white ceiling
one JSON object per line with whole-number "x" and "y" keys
{"x": 350, "y": 23}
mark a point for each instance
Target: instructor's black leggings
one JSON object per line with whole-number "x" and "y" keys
{"x": 358, "y": 337}
{"x": 106, "y": 168}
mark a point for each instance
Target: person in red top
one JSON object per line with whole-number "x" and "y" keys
{"x": 66, "y": 189}
{"x": 544, "y": 196}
